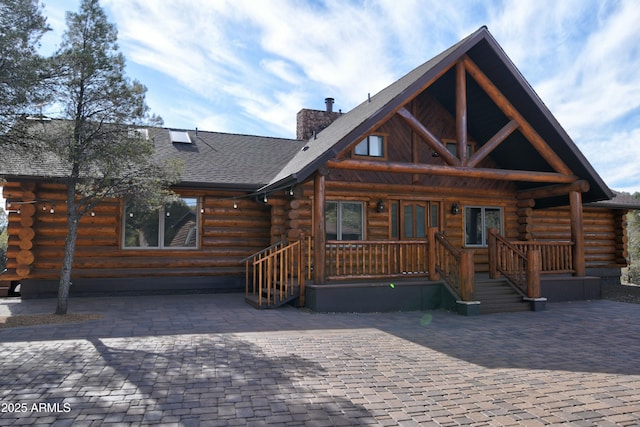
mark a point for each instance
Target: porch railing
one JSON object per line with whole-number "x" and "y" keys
{"x": 369, "y": 259}
{"x": 520, "y": 267}
{"x": 274, "y": 272}
{"x": 556, "y": 256}
{"x": 454, "y": 266}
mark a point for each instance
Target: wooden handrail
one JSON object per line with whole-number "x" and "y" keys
{"x": 265, "y": 250}
{"x": 521, "y": 268}
{"x": 454, "y": 266}
{"x": 556, "y": 256}
{"x": 275, "y": 271}
{"x": 506, "y": 259}
{"x": 361, "y": 259}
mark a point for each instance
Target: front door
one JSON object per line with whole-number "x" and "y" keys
{"x": 411, "y": 219}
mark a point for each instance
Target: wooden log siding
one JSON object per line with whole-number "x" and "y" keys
{"x": 604, "y": 234}
{"x": 20, "y": 254}
{"x": 377, "y": 224}
{"x": 227, "y": 235}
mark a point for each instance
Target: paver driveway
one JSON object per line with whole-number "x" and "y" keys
{"x": 213, "y": 360}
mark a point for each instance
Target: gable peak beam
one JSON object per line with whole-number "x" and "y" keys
{"x": 461, "y": 112}
{"x": 512, "y": 113}
{"x": 432, "y": 140}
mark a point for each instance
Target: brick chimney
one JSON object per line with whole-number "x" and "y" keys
{"x": 310, "y": 122}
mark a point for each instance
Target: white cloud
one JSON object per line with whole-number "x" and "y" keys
{"x": 591, "y": 83}
{"x": 616, "y": 158}
{"x": 282, "y": 70}
{"x": 249, "y": 66}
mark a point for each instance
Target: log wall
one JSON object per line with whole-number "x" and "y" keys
{"x": 605, "y": 233}
{"x": 377, "y": 224}
{"x": 37, "y": 236}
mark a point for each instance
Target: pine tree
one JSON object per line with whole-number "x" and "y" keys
{"x": 96, "y": 142}
{"x": 633, "y": 234}
{"x": 21, "y": 68}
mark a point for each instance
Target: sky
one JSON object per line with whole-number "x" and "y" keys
{"x": 248, "y": 66}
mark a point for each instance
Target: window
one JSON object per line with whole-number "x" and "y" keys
{"x": 477, "y": 222}
{"x": 174, "y": 226}
{"x": 372, "y": 146}
{"x": 453, "y": 149}
{"x": 344, "y": 220}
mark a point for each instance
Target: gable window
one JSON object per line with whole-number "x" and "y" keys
{"x": 344, "y": 220}
{"x": 477, "y": 222}
{"x": 453, "y": 148}
{"x": 371, "y": 146}
{"x": 173, "y": 226}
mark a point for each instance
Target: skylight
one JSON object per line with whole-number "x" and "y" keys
{"x": 180, "y": 136}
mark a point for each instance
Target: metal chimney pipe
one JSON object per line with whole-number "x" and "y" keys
{"x": 329, "y": 104}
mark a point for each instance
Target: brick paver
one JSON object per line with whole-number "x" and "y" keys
{"x": 192, "y": 360}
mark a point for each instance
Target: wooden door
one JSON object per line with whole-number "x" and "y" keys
{"x": 411, "y": 219}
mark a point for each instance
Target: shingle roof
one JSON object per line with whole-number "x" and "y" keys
{"x": 225, "y": 159}
{"x": 212, "y": 159}
{"x": 620, "y": 201}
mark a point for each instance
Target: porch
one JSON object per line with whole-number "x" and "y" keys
{"x": 389, "y": 275}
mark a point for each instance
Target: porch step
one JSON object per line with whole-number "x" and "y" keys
{"x": 497, "y": 296}
{"x": 253, "y": 300}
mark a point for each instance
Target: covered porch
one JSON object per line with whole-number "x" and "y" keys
{"x": 387, "y": 275}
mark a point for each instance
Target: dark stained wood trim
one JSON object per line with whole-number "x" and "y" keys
{"x": 510, "y": 111}
{"x": 497, "y": 174}
{"x": 415, "y": 152}
{"x": 491, "y": 145}
{"x": 433, "y": 141}
{"x": 461, "y": 112}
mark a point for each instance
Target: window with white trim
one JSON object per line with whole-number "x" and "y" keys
{"x": 477, "y": 221}
{"x": 344, "y": 220}
{"x": 173, "y": 226}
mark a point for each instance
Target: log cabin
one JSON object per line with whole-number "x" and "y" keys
{"x": 453, "y": 187}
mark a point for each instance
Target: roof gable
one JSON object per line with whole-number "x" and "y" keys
{"x": 484, "y": 118}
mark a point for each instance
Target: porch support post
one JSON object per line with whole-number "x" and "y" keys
{"x": 493, "y": 254}
{"x": 319, "y": 232}
{"x": 433, "y": 274}
{"x": 534, "y": 265}
{"x": 467, "y": 273}
{"x": 575, "y": 202}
